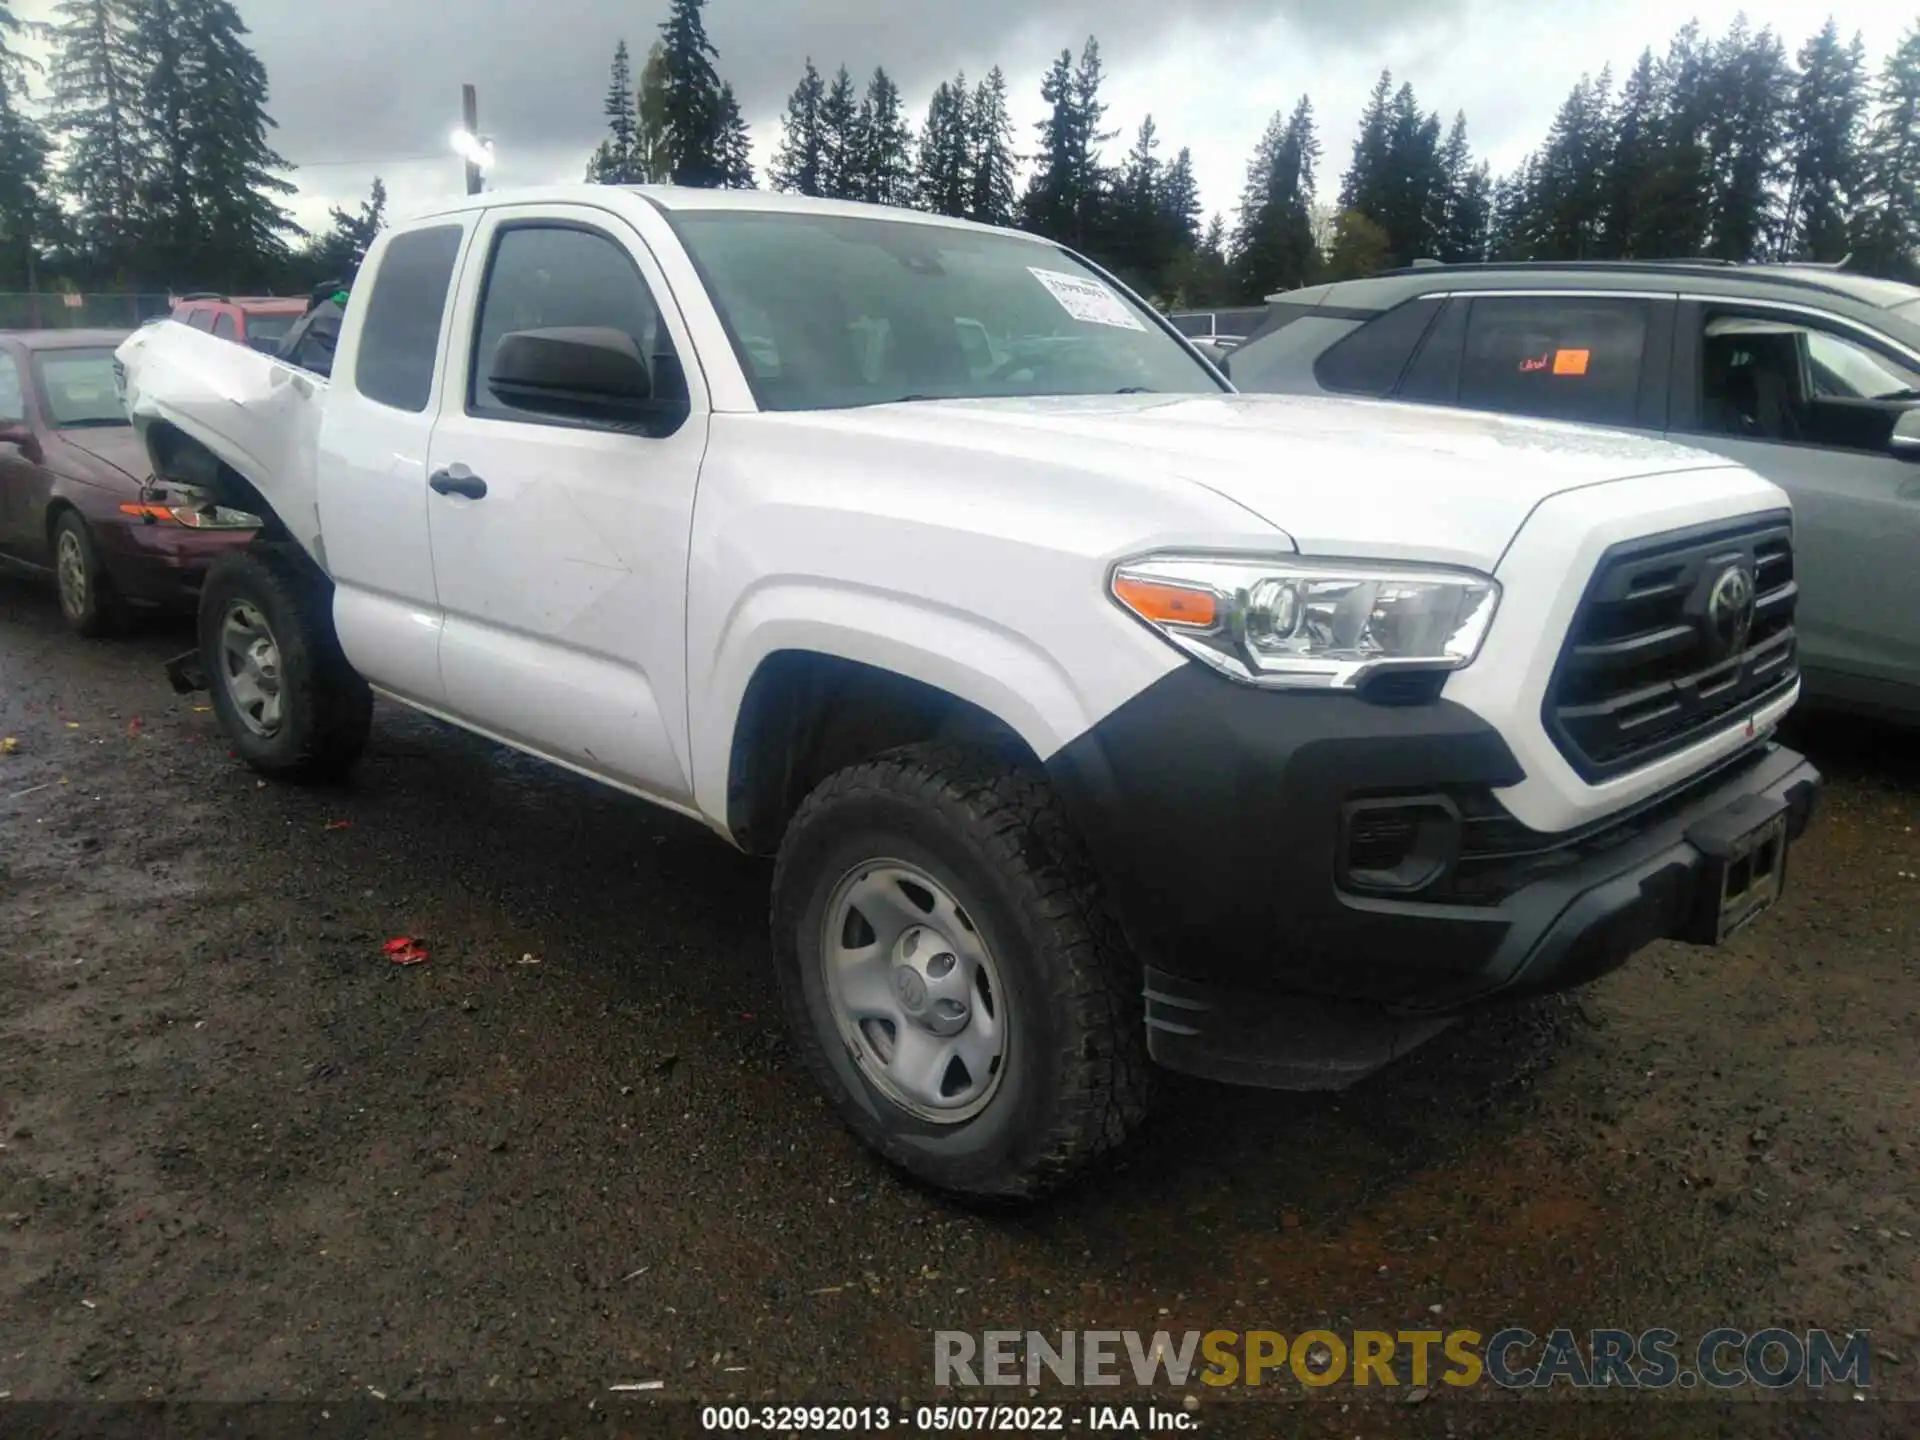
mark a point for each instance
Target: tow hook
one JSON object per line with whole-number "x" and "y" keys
{"x": 186, "y": 674}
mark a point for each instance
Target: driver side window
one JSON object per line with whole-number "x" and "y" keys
{"x": 550, "y": 276}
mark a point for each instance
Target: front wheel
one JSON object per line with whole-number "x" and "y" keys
{"x": 88, "y": 602}
{"x": 286, "y": 696}
{"x": 951, "y": 974}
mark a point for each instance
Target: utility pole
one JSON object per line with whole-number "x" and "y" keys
{"x": 470, "y": 122}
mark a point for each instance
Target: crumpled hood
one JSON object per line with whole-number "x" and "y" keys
{"x": 118, "y": 446}
{"x": 1356, "y": 478}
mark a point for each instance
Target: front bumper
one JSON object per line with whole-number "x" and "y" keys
{"x": 1216, "y": 813}
{"x": 154, "y": 563}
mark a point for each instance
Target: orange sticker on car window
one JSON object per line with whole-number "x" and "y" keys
{"x": 1571, "y": 362}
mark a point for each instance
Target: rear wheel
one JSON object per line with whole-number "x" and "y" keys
{"x": 88, "y": 602}
{"x": 286, "y": 696}
{"x": 951, "y": 975}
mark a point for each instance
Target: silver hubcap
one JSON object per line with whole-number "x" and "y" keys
{"x": 70, "y": 569}
{"x": 250, "y": 665}
{"x": 914, "y": 991}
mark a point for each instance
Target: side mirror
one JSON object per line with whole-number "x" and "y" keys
{"x": 23, "y": 439}
{"x": 582, "y": 372}
{"x": 1905, "y": 443}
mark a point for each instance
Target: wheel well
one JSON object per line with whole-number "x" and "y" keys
{"x": 55, "y": 509}
{"x": 807, "y": 715}
{"x": 183, "y": 460}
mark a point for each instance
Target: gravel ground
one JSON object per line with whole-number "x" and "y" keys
{"x": 244, "y": 1157}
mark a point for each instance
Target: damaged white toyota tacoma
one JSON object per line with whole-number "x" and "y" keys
{"x": 1095, "y": 714}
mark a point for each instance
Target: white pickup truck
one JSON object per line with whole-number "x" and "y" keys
{"x": 1095, "y": 713}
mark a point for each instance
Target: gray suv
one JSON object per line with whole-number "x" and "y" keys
{"x": 1808, "y": 375}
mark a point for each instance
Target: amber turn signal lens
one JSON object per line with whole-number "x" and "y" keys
{"x": 1166, "y": 604}
{"x": 150, "y": 512}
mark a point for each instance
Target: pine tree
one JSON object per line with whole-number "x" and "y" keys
{"x": 1467, "y": 209}
{"x": 1886, "y": 232}
{"x": 735, "y": 145}
{"x": 886, "y": 144}
{"x": 1048, "y": 207}
{"x": 1065, "y": 201}
{"x": 652, "y": 151}
{"x": 945, "y": 154}
{"x": 1180, "y": 202}
{"x": 1094, "y": 181}
{"x": 1396, "y": 178}
{"x": 1823, "y": 146}
{"x": 1674, "y": 215}
{"x": 1273, "y": 244}
{"x": 800, "y": 165}
{"x": 1366, "y": 183}
{"x": 994, "y": 166}
{"x": 693, "y": 116}
{"x": 29, "y": 217}
{"x": 1632, "y": 161}
{"x": 1137, "y": 243}
{"x": 169, "y": 225}
{"x": 209, "y": 205}
{"x": 16, "y": 66}
{"x": 95, "y": 110}
{"x": 1569, "y": 189}
{"x": 614, "y": 163}
{"x": 337, "y": 254}
{"x": 1750, "y": 88}
{"x": 1417, "y": 185}
{"x": 840, "y": 140}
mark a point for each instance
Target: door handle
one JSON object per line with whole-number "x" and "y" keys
{"x": 457, "y": 480}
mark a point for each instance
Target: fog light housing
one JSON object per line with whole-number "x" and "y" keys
{"x": 1397, "y": 845}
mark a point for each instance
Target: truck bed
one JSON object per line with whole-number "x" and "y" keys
{"x": 256, "y": 415}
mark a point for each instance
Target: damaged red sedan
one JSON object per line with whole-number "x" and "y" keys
{"x": 75, "y": 501}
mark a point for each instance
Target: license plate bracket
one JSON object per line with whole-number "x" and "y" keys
{"x": 1745, "y": 850}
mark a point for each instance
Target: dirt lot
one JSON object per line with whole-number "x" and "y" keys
{"x": 244, "y": 1157}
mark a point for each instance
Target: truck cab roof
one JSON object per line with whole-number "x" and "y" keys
{"x": 678, "y": 198}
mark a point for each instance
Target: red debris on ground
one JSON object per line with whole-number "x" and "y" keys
{"x": 405, "y": 950}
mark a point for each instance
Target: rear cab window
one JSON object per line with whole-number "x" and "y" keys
{"x": 400, "y": 338}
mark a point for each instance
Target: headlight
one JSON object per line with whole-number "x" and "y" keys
{"x": 214, "y": 517}
{"x": 1300, "y": 623}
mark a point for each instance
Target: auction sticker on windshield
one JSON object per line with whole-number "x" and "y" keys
{"x": 1086, "y": 300}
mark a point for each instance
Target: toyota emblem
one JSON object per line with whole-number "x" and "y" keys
{"x": 1730, "y": 610}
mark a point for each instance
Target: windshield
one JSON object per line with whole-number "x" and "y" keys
{"x": 79, "y": 389}
{"x": 827, "y": 312}
{"x": 269, "y": 327}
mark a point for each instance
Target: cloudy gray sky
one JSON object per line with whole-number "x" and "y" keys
{"x": 365, "y": 87}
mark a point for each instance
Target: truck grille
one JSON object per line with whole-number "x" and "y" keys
{"x": 1677, "y": 636}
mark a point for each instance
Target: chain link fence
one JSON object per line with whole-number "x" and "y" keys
{"x": 61, "y": 310}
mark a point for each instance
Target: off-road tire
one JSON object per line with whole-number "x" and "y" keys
{"x": 327, "y": 707}
{"x": 102, "y": 612}
{"x": 994, "y": 832}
